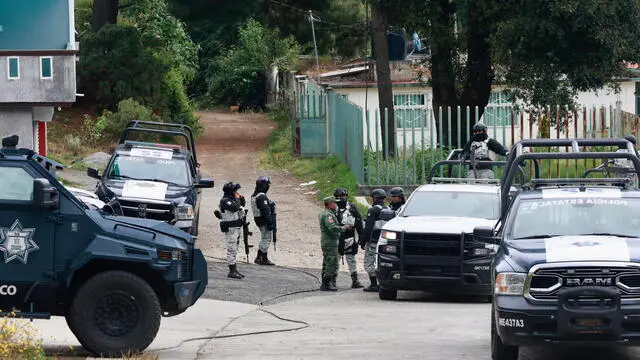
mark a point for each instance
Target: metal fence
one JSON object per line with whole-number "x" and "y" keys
{"x": 327, "y": 123}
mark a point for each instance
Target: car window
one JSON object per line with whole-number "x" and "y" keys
{"x": 453, "y": 203}
{"x": 15, "y": 184}
{"x": 129, "y": 167}
{"x": 576, "y": 216}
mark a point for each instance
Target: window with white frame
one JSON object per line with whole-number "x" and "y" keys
{"x": 46, "y": 67}
{"x": 13, "y": 68}
{"x": 499, "y": 110}
{"x": 410, "y": 110}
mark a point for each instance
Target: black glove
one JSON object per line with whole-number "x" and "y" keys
{"x": 243, "y": 202}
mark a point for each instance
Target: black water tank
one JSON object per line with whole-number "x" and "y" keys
{"x": 396, "y": 43}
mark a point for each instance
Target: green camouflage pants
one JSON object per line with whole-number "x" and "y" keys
{"x": 370, "y": 258}
{"x": 330, "y": 262}
{"x": 265, "y": 239}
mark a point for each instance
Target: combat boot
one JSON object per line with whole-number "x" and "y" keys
{"x": 258, "y": 259}
{"x": 233, "y": 272}
{"x": 374, "y": 285}
{"x": 333, "y": 281}
{"x": 327, "y": 285}
{"x": 265, "y": 259}
{"x": 355, "y": 284}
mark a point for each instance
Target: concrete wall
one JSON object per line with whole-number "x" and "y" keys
{"x": 36, "y": 24}
{"x": 30, "y": 88}
{"x": 20, "y": 122}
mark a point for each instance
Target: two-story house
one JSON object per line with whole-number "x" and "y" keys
{"x": 38, "y": 55}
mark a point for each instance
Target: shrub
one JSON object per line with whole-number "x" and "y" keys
{"x": 73, "y": 144}
{"x": 19, "y": 340}
{"x": 128, "y": 110}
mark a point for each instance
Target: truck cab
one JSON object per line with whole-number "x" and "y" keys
{"x": 111, "y": 277}
{"x": 567, "y": 269}
{"x": 155, "y": 180}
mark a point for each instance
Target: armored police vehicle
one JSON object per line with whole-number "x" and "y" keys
{"x": 112, "y": 277}
{"x": 155, "y": 181}
{"x": 567, "y": 270}
{"x": 429, "y": 246}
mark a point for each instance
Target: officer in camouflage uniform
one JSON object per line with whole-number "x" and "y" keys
{"x": 397, "y": 198}
{"x": 331, "y": 230}
{"x": 477, "y": 149}
{"x": 377, "y": 216}
{"x": 232, "y": 216}
{"x": 348, "y": 214}
{"x": 264, "y": 216}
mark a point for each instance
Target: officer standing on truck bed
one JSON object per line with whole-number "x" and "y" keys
{"x": 625, "y": 163}
{"x": 264, "y": 216}
{"x": 232, "y": 215}
{"x": 348, "y": 214}
{"x": 397, "y": 198}
{"x": 330, "y": 230}
{"x": 377, "y": 216}
{"x": 477, "y": 149}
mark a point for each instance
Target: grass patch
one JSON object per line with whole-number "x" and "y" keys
{"x": 330, "y": 173}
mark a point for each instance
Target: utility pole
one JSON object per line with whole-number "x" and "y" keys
{"x": 315, "y": 45}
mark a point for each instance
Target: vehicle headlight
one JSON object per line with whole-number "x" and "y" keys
{"x": 510, "y": 283}
{"x": 185, "y": 212}
{"x": 383, "y": 242}
{"x": 388, "y": 235}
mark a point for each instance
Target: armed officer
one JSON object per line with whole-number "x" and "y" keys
{"x": 264, "y": 216}
{"x": 331, "y": 231}
{"x": 348, "y": 214}
{"x": 10, "y": 142}
{"x": 397, "y": 198}
{"x": 627, "y": 164}
{"x": 232, "y": 218}
{"x": 377, "y": 216}
{"x": 477, "y": 149}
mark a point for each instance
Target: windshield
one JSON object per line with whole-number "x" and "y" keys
{"x": 173, "y": 171}
{"x": 577, "y": 216}
{"x": 453, "y": 203}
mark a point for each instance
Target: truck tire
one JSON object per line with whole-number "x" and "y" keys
{"x": 500, "y": 351}
{"x": 115, "y": 313}
{"x": 387, "y": 294}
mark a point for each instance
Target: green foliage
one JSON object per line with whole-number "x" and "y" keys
{"x": 329, "y": 172}
{"x": 128, "y": 109}
{"x": 93, "y": 128}
{"x": 240, "y": 70}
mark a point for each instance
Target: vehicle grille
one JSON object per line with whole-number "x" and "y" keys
{"x": 185, "y": 265}
{"x": 162, "y": 211}
{"x": 545, "y": 284}
{"x": 437, "y": 255}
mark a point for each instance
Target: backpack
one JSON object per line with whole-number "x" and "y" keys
{"x": 480, "y": 149}
{"x": 345, "y": 216}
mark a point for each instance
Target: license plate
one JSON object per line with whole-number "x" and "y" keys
{"x": 589, "y": 322}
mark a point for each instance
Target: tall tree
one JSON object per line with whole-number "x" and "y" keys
{"x": 104, "y": 12}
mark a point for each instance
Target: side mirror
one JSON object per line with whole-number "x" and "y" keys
{"x": 44, "y": 195}
{"x": 485, "y": 235}
{"x": 93, "y": 173}
{"x": 205, "y": 184}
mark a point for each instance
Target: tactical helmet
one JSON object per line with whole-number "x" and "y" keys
{"x": 340, "y": 192}
{"x": 479, "y": 127}
{"x": 263, "y": 180}
{"x": 230, "y": 187}
{"x": 396, "y": 191}
{"x": 631, "y": 139}
{"x": 378, "y": 193}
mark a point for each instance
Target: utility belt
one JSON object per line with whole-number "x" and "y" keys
{"x": 226, "y": 225}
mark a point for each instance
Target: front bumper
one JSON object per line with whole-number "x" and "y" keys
{"x": 522, "y": 323}
{"x": 186, "y": 293}
{"x": 473, "y": 279}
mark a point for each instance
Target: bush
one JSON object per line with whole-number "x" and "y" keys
{"x": 128, "y": 110}
{"x": 19, "y": 340}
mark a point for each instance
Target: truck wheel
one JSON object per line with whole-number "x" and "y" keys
{"x": 387, "y": 294}
{"x": 115, "y": 313}
{"x": 500, "y": 351}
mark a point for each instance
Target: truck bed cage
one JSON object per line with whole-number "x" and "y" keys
{"x": 517, "y": 156}
{"x": 449, "y": 178}
{"x": 49, "y": 164}
{"x": 187, "y": 134}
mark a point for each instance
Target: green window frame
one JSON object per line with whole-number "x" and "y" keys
{"x": 410, "y": 110}
{"x": 46, "y": 67}
{"x": 498, "y": 111}
{"x": 13, "y": 68}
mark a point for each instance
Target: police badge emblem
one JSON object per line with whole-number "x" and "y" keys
{"x": 17, "y": 242}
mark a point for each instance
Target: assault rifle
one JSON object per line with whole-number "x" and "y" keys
{"x": 275, "y": 227}
{"x": 245, "y": 234}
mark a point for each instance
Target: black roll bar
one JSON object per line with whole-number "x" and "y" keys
{"x": 136, "y": 123}
{"x": 433, "y": 170}
{"x": 189, "y": 141}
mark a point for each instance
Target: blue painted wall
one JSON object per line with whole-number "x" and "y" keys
{"x": 34, "y": 24}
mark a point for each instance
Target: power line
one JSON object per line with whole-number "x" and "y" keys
{"x": 315, "y": 16}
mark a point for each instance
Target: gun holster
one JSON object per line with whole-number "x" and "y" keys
{"x": 224, "y": 227}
